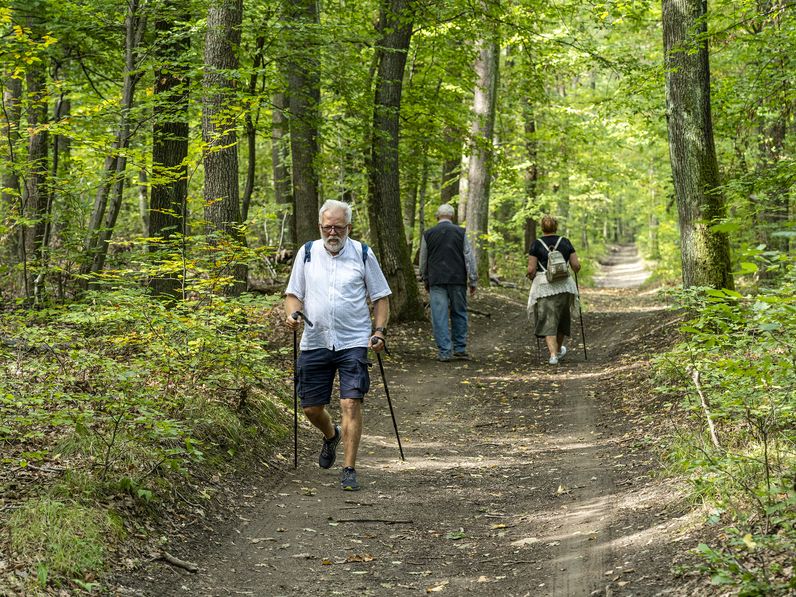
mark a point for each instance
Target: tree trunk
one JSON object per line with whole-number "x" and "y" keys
{"x": 479, "y": 177}
{"x": 11, "y": 191}
{"x": 221, "y": 191}
{"x": 304, "y": 85}
{"x": 451, "y": 169}
{"x": 36, "y": 201}
{"x": 386, "y": 223}
{"x": 251, "y": 132}
{"x": 531, "y": 174}
{"x": 169, "y": 194}
{"x": 103, "y": 217}
{"x": 279, "y": 159}
{"x": 705, "y": 252}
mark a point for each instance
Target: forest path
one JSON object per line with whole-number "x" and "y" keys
{"x": 520, "y": 478}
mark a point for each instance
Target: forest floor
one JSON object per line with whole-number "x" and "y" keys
{"x": 520, "y": 478}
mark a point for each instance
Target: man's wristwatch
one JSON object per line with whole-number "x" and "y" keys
{"x": 381, "y": 329}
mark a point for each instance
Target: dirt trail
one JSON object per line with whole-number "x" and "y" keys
{"x": 520, "y": 478}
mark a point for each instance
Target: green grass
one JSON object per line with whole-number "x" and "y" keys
{"x": 63, "y": 538}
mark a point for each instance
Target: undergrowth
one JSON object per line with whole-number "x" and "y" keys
{"x": 123, "y": 395}
{"x": 735, "y": 370}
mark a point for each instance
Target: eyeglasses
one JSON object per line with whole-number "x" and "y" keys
{"x": 337, "y": 229}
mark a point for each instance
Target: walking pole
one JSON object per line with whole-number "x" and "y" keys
{"x": 296, "y": 315}
{"x": 373, "y": 342}
{"x": 582, "y": 331}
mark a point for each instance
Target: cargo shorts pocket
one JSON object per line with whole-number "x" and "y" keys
{"x": 355, "y": 377}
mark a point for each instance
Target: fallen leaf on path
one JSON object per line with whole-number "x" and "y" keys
{"x": 440, "y": 587}
{"x": 525, "y": 541}
{"x": 365, "y": 557}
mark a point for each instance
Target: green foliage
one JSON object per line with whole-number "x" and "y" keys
{"x": 739, "y": 352}
{"x": 132, "y": 385}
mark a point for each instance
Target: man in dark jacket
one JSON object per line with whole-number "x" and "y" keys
{"x": 447, "y": 264}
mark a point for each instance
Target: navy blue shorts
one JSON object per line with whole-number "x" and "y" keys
{"x": 316, "y": 370}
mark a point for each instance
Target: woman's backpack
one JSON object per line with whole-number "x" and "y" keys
{"x": 557, "y": 267}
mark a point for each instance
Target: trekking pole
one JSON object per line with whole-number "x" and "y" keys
{"x": 296, "y": 315}
{"x": 373, "y": 342}
{"x": 580, "y": 311}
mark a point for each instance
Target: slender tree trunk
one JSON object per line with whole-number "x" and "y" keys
{"x": 36, "y": 198}
{"x": 166, "y": 213}
{"x": 279, "y": 159}
{"x": 143, "y": 201}
{"x": 531, "y": 174}
{"x": 11, "y": 191}
{"x": 251, "y": 132}
{"x": 705, "y": 252}
{"x": 304, "y": 99}
{"x": 482, "y": 130}
{"x": 103, "y": 217}
{"x": 386, "y": 224}
{"x": 221, "y": 191}
{"x": 451, "y": 168}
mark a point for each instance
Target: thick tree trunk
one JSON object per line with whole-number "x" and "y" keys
{"x": 386, "y": 223}
{"x": 221, "y": 191}
{"x": 279, "y": 160}
{"x": 705, "y": 253}
{"x": 479, "y": 173}
{"x": 169, "y": 194}
{"x": 304, "y": 99}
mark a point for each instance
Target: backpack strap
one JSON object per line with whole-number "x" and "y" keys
{"x": 308, "y": 252}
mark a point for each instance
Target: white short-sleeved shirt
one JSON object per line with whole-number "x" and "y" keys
{"x": 334, "y": 291}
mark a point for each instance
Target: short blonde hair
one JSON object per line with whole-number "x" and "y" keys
{"x": 549, "y": 224}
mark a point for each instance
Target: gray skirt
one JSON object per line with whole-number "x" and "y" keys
{"x": 552, "y": 315}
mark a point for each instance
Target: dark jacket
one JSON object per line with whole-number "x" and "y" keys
{"x": 445, "y": 246}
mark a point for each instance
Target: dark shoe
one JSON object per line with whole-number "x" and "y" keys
{"x": 329, "y": 449}
{"x": 443, "y": 358}
{"x": 348, "y": 479}
{"x": 462, "y": 356}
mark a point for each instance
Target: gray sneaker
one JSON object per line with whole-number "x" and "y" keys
{"x": 329, "y": 449}
{"x": 348, "y": 479}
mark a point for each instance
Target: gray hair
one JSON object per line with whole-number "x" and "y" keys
{"x": 333, "y": 205}
{"x": 445, "y": 211}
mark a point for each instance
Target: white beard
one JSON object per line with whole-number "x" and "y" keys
{"x": 334, "y": 244}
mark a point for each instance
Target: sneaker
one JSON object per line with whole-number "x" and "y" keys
{"x": 348, "y": 479}
{"x": 443, "y": 358}
{"x": 562, "y": 352}
{"x": 462, "y": 356}
{"x": 329, "y": 449}
{"x": 553, "y": 360}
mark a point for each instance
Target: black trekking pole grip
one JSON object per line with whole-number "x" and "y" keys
{"x": 296, "y": 314}
{"x": 387, "y": 393}
{"x": 580, "y": 311}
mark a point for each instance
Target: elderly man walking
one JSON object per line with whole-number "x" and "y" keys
{"x": 447, "y": 264}
{"x": 331, "y": 281}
